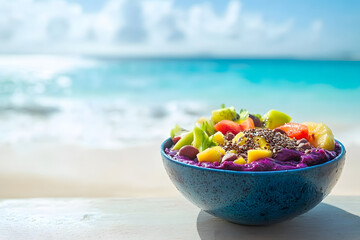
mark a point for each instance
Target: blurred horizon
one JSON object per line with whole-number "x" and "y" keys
{"x": 110, "y": 57}
{"x": 182, "y": 29}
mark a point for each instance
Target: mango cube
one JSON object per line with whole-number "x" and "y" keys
{"x": 220, "y": 149}
{"x": 240, "y": 161}
{"x": 219, "y": 138}
{"x": 256, "y": 154}
{"x": 210, "y": 155}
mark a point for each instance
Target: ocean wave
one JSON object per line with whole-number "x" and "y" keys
{"x": 119, "y": 103}
{"x": 115, "y": 123}
{"x": 111, "y": 123}
{"x": 30, "y": 109}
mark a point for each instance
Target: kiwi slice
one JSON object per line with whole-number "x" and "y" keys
{"x": 274, "y": 119}
{"x": 224, "y": 114}
{"x": 186, "y": 139}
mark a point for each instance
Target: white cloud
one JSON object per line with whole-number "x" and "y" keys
{"x": 152, "y": 27}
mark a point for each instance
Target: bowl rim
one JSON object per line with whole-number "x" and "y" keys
{"x": 341, "y": 155}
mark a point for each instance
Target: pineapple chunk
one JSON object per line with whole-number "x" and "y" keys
{"x": 255, "y": 154}
{"x": 210, "y": 155}
{"x": 262, "y": 143}
{"x": 240, "y": 161}
{"x": 320, "y": 135}
{"x": 219, "y": 138}
{"x": 238, "y": 136}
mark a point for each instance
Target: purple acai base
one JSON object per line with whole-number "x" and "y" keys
{"x": 286, "y": 159}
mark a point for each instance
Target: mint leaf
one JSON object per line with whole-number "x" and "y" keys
{"x": 208, "y": 128}
{"x": 206, "y": 143}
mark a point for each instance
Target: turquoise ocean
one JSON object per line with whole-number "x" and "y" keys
{"x": 110, "y": 102}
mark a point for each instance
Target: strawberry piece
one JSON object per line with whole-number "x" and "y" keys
{"x": 295, "y": 130}
{"x": 225, "y": 126}
{"x": 247, "y": 124}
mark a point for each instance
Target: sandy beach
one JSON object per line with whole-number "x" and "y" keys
{"x": 50, "y": 170}
{"x": 54, "y": 170}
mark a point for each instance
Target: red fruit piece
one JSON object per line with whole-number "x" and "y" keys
{"x": 225, "y": 126}
{"x": 295, "y": 130}
{"x": 247, "y": 124}
{"x": 176, "y": 139}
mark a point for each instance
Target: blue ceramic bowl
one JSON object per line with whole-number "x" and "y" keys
{"x": 254, "y": 198}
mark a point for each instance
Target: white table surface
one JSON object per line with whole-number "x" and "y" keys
{"x": 337, "y": 217}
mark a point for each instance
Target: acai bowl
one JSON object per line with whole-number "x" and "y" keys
{"x": 252, "y": 179}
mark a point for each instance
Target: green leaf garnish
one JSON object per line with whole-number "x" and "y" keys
{"x": 244, "y": 114}
{"x": 201, "y": 140}
{"x": 208, "y": 128}
{"x": 207, "y": 143}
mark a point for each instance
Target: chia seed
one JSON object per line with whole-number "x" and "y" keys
{"x": 276, "y": 141}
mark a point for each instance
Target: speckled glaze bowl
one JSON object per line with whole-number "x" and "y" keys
{"x": 254, "y": 198}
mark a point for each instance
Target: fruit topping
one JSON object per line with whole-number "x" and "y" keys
{"x": 229, "y": 157}
{"x": 295, "y": 130}
{"x": 262, "y": 143}
{"x": 229, "y": 136}
{"x": 247, "y": 124}
{"x": 256, "y": 154}
{"x": 263, "y": 138}
{"x": 258, "y": 143}
{"x": 225, "y": 126}
{"x": 224, "y": 114}
{"x": 257, "y": 121}
{"x": 201, "y": 141}
{"x": 240, "y": 161}
{"x": 209, "y": 155}
{"x": 176, "y": 139}
{"x": 320, "y": 135}
{"x": 177, "y": 131}
{"x": 219, "y": 138}
{"x": 206, "y": 125}
{"x": 186, "y": 139}
{"x": 220, "y": 149}
{"x": 188, "y": 151}
{"x": 238, "y": 136}
{"x": 274, "y": 118}
{"x": 279, "y": 131}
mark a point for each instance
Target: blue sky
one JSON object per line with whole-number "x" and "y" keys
{"x": 245, "y": 28}
{"x": 339, "y": 13}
